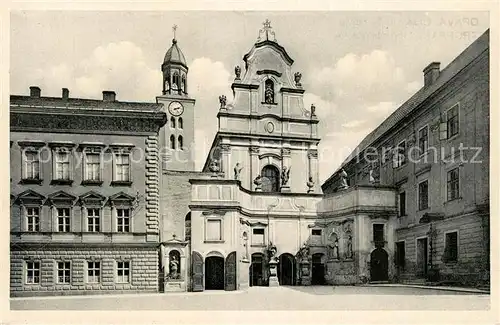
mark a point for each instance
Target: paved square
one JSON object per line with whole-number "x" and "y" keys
{"x": 278, "y": 298}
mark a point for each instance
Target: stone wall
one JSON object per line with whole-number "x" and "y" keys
{"x": 143, "y": 270}
{"x": 341, "y": 272}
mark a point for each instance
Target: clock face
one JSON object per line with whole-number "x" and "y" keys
{"x": 175, "y": 108}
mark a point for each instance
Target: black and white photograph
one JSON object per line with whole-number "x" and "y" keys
{"x": 250, "y": 160}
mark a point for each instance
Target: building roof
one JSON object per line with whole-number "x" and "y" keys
{"x": 460, "y": 62}
{"x": 81, "y": 103}
{"x": 174, "y": 55}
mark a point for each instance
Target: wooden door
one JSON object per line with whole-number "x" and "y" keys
{"x": 197, "y": 271}
{"x": 230, "y": 278}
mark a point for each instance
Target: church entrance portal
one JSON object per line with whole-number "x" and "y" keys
{"x": 318, "y": 270}
{"x": 379, "y": 263}
{"x": 214, "y": 273}
{"x": 257, "y": 270}
{"x": 286, "y": 269}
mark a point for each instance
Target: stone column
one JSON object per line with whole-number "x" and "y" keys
{"x": 254, "y": 165}
{"x": 225, "y": 159}
{"x": 312, "y": 155}
{"x": 286, "y": 162}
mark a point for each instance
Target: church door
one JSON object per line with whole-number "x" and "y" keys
{"x": 379, "y": 264}
{"x": 197, "y": 271}
{"x": 286, "y": 269}
{"x": 214, "y": 273}
{"x": 230, "y": 277}
{"x": 318, "y": 270}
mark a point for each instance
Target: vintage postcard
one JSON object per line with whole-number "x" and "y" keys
{"x": 265, "y": 160}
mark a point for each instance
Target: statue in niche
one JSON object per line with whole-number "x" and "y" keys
{"x": 349, "y": 252}
{"x": 174, "y": 268}
{"x": 297, "y": 77}
{"x": 310, "y": 185}
{"x": 343, "y": 179}
{"x": 269, "y": 93}
{"x": 285, "y": 175}
{"x": 237, "y": 72}
{"x": 237, "y": 171}
{"x": 222, "y": 101}
{"x": 334, "y": 246}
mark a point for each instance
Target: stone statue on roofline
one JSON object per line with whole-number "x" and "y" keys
{"x": 343, "y": 179}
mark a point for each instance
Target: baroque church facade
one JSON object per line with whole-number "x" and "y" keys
{"x": 86, "y": 217}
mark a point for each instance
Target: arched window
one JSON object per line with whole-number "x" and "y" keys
{"x": 172, "y": 122}
{"x": 167, "y": 84}
{"x": 183, "y": 84}
{"x": 175, "y": 81}
{"x": 181, "y": 124}
{"x": 269, "y": 92}
{"x": 270, "y": 179}
{"x": 172, "y": 142}
{"x": 180, "y": 142}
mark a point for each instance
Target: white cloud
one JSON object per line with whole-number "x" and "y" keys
{"x": 353, "y": 123}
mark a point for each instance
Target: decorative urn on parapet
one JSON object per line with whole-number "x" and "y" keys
{"x": 237, "y": 72}
{"x": 310, "y": 185}
{"x": 222, "y": 101}
{"x": 297, "y": 76}
{"x": 214, "y": 166}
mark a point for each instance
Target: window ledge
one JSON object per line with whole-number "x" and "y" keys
{"x": 422, "y": 210}
{"x": 91, "y": 183}
{"x": 257, "y": 245}
{"x": 32, "y": 181}
{"x": 61, "y": 182}
{"x": 213, "y": 242}
{"x": 453, "y": 200}
{"x": 121, "y": 183}
{"x": 264, "y": 103}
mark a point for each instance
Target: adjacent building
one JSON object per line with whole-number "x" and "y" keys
{"x": 84, "y": 195}
{"x": 433, "y": 152}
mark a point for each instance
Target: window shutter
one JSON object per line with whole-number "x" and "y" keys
{"x": 443, "y": 131}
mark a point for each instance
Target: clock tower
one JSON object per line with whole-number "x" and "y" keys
{"x": 177, "y": 136}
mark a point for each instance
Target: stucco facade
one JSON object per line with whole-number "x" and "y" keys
{"x": 78, "y": 224}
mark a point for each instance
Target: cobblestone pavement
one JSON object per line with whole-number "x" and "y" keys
{"x": 277, "y": 298}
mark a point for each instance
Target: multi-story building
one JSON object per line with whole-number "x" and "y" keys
{"x": 84, "y": 194}
{"x": 434, "y": 152}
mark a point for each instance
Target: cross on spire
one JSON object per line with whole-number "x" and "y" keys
{"x": 267, "y": 29}
{"x": 174, "y": 28}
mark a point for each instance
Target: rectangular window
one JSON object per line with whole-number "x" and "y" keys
{"x": 32, "y": 219}
{"x": 258, "y": 236}
{"x": 402, "y": 204}
{"x": 122, "y": 168}
{"x": 452, "y": 121}
{"x": 214, "y": 229}
{"x": 32, "y": 272}
{"x": 452, "y": 184}
{"x": 451, "y": 247}
{"x": 92, "y": 167}
{"x": 123, "y": 220}
{"x": 423, "y": 139}
{"x": 31, "y": 165}
{"x": 423, "y": 195}
{"x": 378, "y": 233}
{"x": 122, "y": 272}
{"x": 93, "y": 272}
{"x": 63, "y": 219}
{"x": 62, "y": 168}
{"x": 93, "y": 220}
{"x": 399, "y": 158}
{"x": 316, "y": 232}
{"x": 63, "y": 272}
{"x": 400, "y": 254}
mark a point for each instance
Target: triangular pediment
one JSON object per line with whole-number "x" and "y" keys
{"x": 121, "y": 196}
{"x": 92, "y": 196}
{"x": 61, "y": 196}
{"x": 30, "y": 195}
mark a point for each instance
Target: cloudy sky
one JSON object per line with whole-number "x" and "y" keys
{"x": 357, "y": 67}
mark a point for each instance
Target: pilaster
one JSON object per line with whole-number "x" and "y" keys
{"x": 152, "y": 189}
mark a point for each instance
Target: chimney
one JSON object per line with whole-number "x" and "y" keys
{"x": 431, "y": 73}
{"x": 35, "y": 92}
{"x": 108, "y": 96}
{"x": 65, "y": 93}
